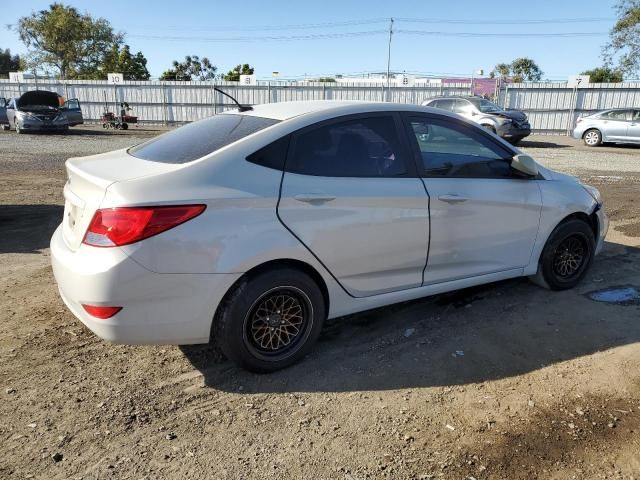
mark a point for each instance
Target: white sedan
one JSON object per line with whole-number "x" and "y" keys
{"x": 252, "y": 227}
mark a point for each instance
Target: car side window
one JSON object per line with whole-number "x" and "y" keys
{"x": 619, "y": 115}
{"x": 273, "y": 155}
{"x": 636, "y": 116}
{"x": 363, "y": 147}
{"x": 446, "y": 104}
{"x": 448, "y": 149}
{"x": 461, "y": 106}
{"x": 72, "y": 104}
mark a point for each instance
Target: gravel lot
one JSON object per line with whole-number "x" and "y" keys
{"x": 505, "y": 381}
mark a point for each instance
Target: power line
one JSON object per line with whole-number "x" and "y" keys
{"x": 373, "y": 21}
{"x": 279, "y": 38}
{"x": 500, "y": 34}
{"x": 257, "y": 28}
{"x": 322, "y": 36}
{"x": 518, "y": 21}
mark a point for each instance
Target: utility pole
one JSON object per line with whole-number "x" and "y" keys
{"x": 389, "y": 60}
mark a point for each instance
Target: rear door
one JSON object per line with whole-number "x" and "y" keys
{"x": 484, "y": 215}
{"x": 3, "y": 111}
{"x": 615, "y": 124}
{"x": 633, "y": 130}
{"x": 73, "y": 111}
{"x": 351, "y": 195}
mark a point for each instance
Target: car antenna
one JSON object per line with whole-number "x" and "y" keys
{"x": 241, "y": 108}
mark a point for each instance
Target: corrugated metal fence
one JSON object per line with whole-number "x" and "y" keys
{"x": 551, "y": 106}
{"x": 177, "y": 102}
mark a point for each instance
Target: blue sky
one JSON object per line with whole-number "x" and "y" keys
{"x": 152, "y": 27}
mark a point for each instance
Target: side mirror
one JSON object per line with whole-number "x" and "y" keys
{"x": 525, "y": 164}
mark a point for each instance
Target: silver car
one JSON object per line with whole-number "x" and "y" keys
{"x": 512, "y": 125}
{"x": 619, "y": 125}
{"x": 40, "y": 110}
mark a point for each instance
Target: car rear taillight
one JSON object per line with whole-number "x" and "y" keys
{"x": 101, "y": 312}
{"x": 114, "y": 227}
{"x": 578, "y": 121}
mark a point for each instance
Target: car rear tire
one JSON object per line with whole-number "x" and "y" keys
{"x": 567, "y": 256}
{"x": 270, "y": 320}
{"x": 592, "y": 138}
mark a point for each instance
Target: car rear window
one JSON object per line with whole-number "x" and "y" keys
{"x": 201, "y": 138}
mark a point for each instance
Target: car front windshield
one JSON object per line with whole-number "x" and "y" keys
{"x": 486, "y": 106}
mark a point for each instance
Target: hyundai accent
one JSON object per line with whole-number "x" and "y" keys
{"x": 252, "y": 227}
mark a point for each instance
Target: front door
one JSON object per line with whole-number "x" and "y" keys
{"x": 484, "y": 215}
{"x": 351, "y": 195}
{"x": 73, "y": 111}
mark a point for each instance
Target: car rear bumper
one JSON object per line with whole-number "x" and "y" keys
{"x": 578, "y": 133}
{"x": 156, "y": 308}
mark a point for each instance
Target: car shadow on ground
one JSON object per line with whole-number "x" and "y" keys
{"x": 471, "y": 336}
{"x": 28, "y": 228}
{"x": 539, "y": 144}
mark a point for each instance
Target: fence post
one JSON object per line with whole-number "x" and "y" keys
{"x": 215, "y": 100}
{"x": 572, "y": 112}
{"x": 165, "y": 114}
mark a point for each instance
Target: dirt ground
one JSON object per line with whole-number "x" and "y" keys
{"x": 504, "y": 381}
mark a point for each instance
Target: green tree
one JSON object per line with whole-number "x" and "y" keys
{"x": 624, "y": 39}
{"x": 604, "y": 75}
{"x": 501, "y": 70}
{"x": 66, "y": 40}
{"x": 120, "y": 60}
{"x": 326, "y": 79}
{"x": 193, "y": 68}
{"x": 525, "y": 70}
{"x": 233, "y": 75}
{"x": 8, "y": 63}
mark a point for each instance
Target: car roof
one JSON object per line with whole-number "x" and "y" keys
{"x": 287, "y": 110}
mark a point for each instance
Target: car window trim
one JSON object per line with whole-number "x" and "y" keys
{"x": 417, "y": 154}
{"x": 406, "y": 150}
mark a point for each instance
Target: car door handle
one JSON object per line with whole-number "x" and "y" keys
{"x": 450, "y": 198}
{"x": 314, "y": 197}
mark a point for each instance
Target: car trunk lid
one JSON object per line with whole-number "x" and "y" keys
{"x": 88, "y": 179}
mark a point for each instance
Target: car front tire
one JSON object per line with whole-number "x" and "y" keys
{"x": 270, "y": 320}
{"x": 567, "y": 256}
{"x": 592, "y": 138}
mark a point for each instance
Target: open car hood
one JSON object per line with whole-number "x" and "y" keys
{"x": 39, "y": 98}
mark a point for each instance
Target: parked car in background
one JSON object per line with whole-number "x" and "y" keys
{"x": 252, "y": 227}
{"x": 620, "y": 125}
{"x": 40, "y": 110}
{"x": 512, "y": 125}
